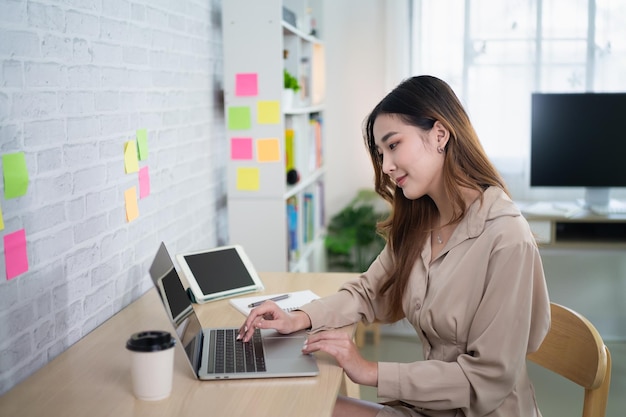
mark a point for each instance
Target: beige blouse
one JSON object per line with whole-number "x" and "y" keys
{"x": 478, "y": 308}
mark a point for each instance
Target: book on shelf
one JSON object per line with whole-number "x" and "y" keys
{"x": 292, "y": 228}
{"x": 309, "y": 218}
{"x": 316, "y": 141}
{"x": 290, "y": 162}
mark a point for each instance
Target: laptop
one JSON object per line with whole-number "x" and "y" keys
{"x": 214, "y": 353}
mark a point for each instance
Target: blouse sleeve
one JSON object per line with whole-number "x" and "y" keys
{"x": 355, "y": 301}
{"x": 511, "y": 320}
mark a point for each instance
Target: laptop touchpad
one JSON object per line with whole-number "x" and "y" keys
{"x": 282, "y": 347}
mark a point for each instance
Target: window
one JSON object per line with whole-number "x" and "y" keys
{"x": 494, "y": 54}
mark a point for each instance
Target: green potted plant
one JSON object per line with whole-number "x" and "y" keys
{"x": 351, "y": 240}
{"x": 290, "y": 88}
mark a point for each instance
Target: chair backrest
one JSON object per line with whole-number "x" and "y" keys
{"x": 574, "y": 349}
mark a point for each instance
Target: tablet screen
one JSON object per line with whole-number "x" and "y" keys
{"x": 219, "y": 271}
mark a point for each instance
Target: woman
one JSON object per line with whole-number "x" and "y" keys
{"x": 460, "y": 263}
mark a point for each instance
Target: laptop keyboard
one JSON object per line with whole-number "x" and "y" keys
{"x": 230, "y": 355}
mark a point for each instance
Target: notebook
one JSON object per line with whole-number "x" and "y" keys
{"x": 293, "y": 301}
{"x": 214, "y": 353}
{"x": 219, "y": 272}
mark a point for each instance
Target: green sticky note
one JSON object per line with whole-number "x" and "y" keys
{"x": 142, "y": 144}
{"x": 239, "y": 118}
{"x": 15, "y": 174}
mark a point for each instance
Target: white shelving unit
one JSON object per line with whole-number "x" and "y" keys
{"x": 280, "y": 226}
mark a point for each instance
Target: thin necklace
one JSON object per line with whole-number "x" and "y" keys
{"x": 439, "y": 240}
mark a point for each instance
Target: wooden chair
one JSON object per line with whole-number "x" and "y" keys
{"x": 575, "y": 350}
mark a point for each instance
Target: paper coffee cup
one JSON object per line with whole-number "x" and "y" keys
{"x": 152, "y": 364}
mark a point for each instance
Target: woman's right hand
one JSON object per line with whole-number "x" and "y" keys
{"x": 270, "y": 316}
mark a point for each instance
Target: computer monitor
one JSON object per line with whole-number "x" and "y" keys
{"x": 579, "y": 140}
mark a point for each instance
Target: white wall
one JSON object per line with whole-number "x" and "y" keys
{"x": 77, "y": 79}
{"x": 354, "y": 35}
{"x": 365, "y": 40}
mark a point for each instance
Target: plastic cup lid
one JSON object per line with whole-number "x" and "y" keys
{"x": 150, "y": 341}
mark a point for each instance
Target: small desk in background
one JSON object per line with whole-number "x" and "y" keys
{"x": 565, "y": 225}
{"x": 92, "y": 377}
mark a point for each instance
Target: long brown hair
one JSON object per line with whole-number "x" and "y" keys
{"x": 421, "y": 101}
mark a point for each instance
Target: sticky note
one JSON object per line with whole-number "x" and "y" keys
{"x": 132, "y": 209}
{"x": 1, "y": 220}
{"x": 268, "y": 150}
{"x": 144, "y": 182}
{"x": 239, "y": 118}
{"x": 142, "y": 144}
{"x": 131, "y": 164}
{"x": 241, "y": 148}
{"x": 15, "y": 174}
{"x": 268, "y": 112}
{"x": 15, "y": 255}
{"x": 246, "y": 84}
{"x": 248, "y": 179}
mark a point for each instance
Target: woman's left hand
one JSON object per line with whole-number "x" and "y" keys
{"x": 340, "y": 345}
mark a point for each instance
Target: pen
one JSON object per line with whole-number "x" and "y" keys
{"x": 277, "y": 298}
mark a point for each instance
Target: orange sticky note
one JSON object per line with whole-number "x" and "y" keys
{"x": 268, "y": 150}
{"x": 132, "y": 209}
{"x": 268, "y": 112}
{"x": 248, "y": 179}
{"x": 131, "y": 162}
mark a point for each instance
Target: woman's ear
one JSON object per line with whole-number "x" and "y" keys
{"x": 442, "y": 134}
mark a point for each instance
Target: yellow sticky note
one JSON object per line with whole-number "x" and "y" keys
{"x": 131, "y": 163}
{"x": 132, "y": 209}
{"x": 268, "y": 112}
{"x": 248, "y": 179}
{"x": 268, "y": 150}
{"x": 1, "y": 220}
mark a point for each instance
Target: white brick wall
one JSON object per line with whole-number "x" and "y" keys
{"x": 77, "y": 79}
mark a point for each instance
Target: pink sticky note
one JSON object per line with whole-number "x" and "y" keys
{"x": 144, "y": 182}
{"x": 246, "y": 84}
{"x": 241, "y": 148}
{"x": 15, "y": 257}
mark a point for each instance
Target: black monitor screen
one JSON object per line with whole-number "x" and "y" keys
{"x": 578, "y": 140}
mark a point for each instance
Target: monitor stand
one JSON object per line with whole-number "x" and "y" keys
{"x": 597, "y": 197}
{"x": 598, "y": 201}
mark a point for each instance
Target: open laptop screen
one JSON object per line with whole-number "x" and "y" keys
{"x": 175, "y": 295}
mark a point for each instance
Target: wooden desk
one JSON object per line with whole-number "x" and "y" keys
{"x": 92, "y": 378}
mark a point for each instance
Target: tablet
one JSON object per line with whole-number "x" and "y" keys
{"x": 218, "y": 273}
